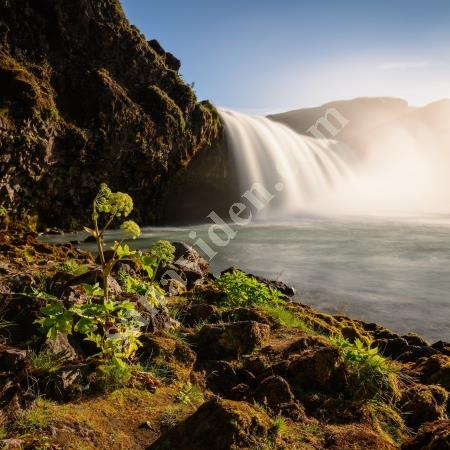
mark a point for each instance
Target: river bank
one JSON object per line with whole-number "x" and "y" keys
{"x": 213, "y": 369}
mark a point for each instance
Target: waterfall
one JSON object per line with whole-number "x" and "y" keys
{"x": 296, "y": 169}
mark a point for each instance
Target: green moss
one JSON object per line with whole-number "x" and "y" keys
{"x": 163, "y": 109}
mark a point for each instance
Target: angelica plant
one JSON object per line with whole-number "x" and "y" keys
{"x": 107, "y": 207}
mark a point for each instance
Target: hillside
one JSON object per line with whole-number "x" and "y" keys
{"x": 84, "y": 98}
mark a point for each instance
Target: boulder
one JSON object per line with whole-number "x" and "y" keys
{"x": 222, "y": 378}
{"x": 391, "y": 347}
{"x": 196, "y": 313}
{"x": 219, "y": 425}
{"x": 173, "y": 355}
{"x": 432, "y": 436}
{"x": 61, "y": 347}
{"x": 317, "y": 368}
{"x": 443, "y": 347}
{"x": 415, "y": 352}
{"x": 421, "y": 404}
{"x": 415, "y": 339}
{"x": 217, "y": 341}
{"x": 273, "y": 392}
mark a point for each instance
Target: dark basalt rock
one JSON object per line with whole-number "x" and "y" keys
{"x": 443, "y": 347}
{"x": 86, "y": 98}
{"x": 188, "y": 268}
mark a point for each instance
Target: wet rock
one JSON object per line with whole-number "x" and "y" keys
{"x": 188, "y": 267}
{"x": 415, "y": 339}
{"x": 421, "y": 404}
{"x": 20, "y": 312}
{"x": 231, "y": 339}
{"x": 273, "y": 392}
{"x": 432, "y": 436}
{"x": 443, "y": 347}
{"x": 392, "y": 348}
{"x": 433, "y": 370}
{"x": 219, "y": 425}
{"x": 414, "y": 352}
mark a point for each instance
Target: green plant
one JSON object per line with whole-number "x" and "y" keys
{"x": 35, "y": 418}
{"x": 112, "y": 325}
{"x": 72, "y": 266}
{"x": 284, "y": 317}
{"x": 112, "y": 376}
{"x": 243, "y": 290}
{"x": 372, "y": 375}
{"x": 46, "y": 361}
{"x": 3, "y": 211}
{"x": 279, "y": 425}
{"x": 189, "y": 394}
{"x": 107, "y": 207}
{"x": 153, "y": 293}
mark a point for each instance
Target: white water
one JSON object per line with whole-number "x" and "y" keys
{"x": 401, "y": 174}
{"x": 298, "y": 169}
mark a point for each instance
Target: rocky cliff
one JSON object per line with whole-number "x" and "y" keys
{"x": 85, "y": 98}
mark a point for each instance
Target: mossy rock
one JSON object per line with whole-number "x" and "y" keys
{"x": 163, "y": 110}
{"x": 168, "y": 355}
{"x": 219, "y": 425}
{"x": 21, "y": 94}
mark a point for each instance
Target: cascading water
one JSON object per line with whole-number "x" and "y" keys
{"x": 297, "y": 169}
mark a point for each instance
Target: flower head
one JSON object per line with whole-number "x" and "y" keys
{"x": 131, "y": 228}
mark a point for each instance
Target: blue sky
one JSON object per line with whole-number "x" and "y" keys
{"x": 267, "y": 56}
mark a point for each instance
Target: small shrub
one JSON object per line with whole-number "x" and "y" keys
{"x": 372, "y": 375}
{"x": 242, "y": 290}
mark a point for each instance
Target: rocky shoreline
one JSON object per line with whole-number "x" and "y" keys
{"x": 210, "y": 376}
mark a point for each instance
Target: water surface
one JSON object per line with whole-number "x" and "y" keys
{"x": 393, "y": 272}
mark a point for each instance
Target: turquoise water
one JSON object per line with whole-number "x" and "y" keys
{"x": 395, "y": 272}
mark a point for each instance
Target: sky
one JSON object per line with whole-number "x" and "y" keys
{"x": 265, "y": 56}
